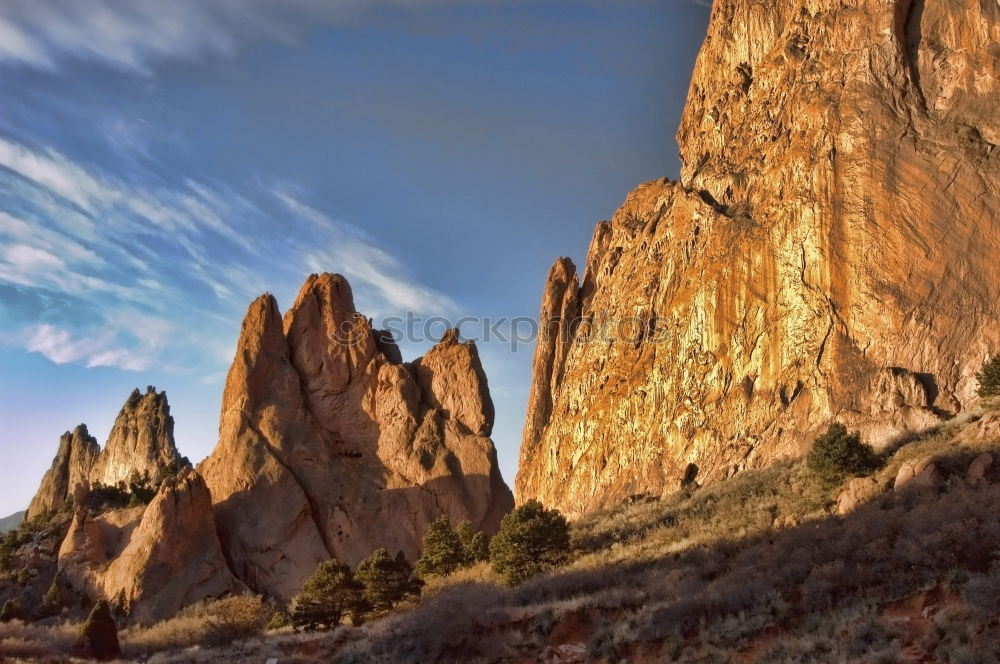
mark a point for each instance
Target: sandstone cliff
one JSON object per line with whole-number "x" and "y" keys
{"x": 141, "y": 440}
{"x": 827, "y": 254}
{"x": 330, "y": 445}
{"x": 157, "y": 558}
{"x": 74, "y": 460}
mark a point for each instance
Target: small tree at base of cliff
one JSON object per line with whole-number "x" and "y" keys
{"x": 531, "y": 540}
{"x": 386, "y": 580}
{"x": 442, "y": 550}
{"x": 327, "y": 596}
{"x": 100, "y": 633}
{"x": 838, "y": 454}
{"x": 52, "y": 600}
{"x": 989, "y": 378}
{"x": 11, "y": 611}
{"x": 474, "y": 543}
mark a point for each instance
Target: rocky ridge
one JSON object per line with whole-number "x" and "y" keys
{"x": 827, "y": 254}
{"x": 325, "y": 435}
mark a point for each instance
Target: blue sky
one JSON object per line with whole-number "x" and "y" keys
{"x": 161, "y": 164}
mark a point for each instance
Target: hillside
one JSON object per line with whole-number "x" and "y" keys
{"x": 11, "y": 522}
{"x": 761, "y": 568}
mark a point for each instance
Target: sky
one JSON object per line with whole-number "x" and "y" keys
{"x": 162, "y": 164}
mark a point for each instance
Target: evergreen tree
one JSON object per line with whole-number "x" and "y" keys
{"x": 531, "y": 540}
{"x": 100, "y": 633}
{"x": 989, "y": 378}
{"x": 474, "y": 543}
{"x": 52, "y": 601}
{"x": 327, "y": 596}
{"x": 386, "y": 580}
{"x": 837, "y": 454}
{"x": 443, "y": 552}
{"x": 11, "y": 611}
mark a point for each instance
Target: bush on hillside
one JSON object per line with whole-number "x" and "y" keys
{"x": 838, "y": 454}
{"x": 100, "y": 633}
{"x": 989, "y": 378}
{"x": 52, "y": 600}
{"x": 328, "y": 595}
{"x": 531, "y": 540}
{"x": 386, "y": 580}
{"x": 443, "y": 552}
{"x": 474, "y": 543}
{"x": 11, "y": 611}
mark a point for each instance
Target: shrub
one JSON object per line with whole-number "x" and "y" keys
{"x": 837, "y": 454}
{"x": 443, "y": 552}
{"x": 100, "y": 633}
{"x": 989, "y": 378}
{"x": 474, "y": 543}
{"x": 327, "y": 596}
{"x": 385, "y": 580}
{"x": 52, "y": 601}
{"x": 207, "y": 623}
{"x": 531, "y": 540}
{"x": 11, "y": 611}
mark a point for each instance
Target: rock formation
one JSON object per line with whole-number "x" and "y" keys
{"x": 157, "y": 558}
{"x": 72, "y": 465}
{"x": 141, "y": 441}
{"x": 330, "y": 445}
{"x": 827, "y": 254}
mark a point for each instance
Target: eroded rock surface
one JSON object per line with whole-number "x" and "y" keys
{"x": 157, "y": 559}
{"x": 141, "y": 440}
{"x": 329, "y": 445}
{"x": 75, "y": 458}
{"x": 829, "y": 253}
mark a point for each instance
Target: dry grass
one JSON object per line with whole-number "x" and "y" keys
{"x": 210, "y": 623}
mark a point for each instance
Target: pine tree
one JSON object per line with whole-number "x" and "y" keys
{"x": 838, "y": 454}
{"x": 989, "y": 378}
{"x": 327, "y": 596}
{"x": 52, "y": 601}
{"x": 11, "y": 611}
{"x": 100, "y": 633}
{"x": 474, "y": 543}
{"x": 531, "y": 540}
{"x": 386, "y": 580}
{"x": 442, "y": 550}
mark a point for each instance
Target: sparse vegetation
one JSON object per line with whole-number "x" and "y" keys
{"x": 989, "y": 378}
{"x": 331, "y": 593}
{"x": 205, "y": 624}
{"x": 52, "y": 600}
{"x": 531, "y": 540}
{"x": 838, "y": 454}
{"x": 11, "y": 611}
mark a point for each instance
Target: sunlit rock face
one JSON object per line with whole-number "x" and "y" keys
{"x": 141, "y": 441}
{"x": 156, "y": 559}
{"x": 330, "y": 445}
{"x": 829, "y": 254}
{"x": 141, "y": 444}
{"x": 74, "y": 460}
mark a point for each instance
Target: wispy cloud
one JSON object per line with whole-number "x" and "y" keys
{"x": 160, "y": 274}
{"x": 371, "y": 269}
{"x": 135, "y": 35}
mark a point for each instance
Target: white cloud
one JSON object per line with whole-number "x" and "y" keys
{"x": 367, "y": 265}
